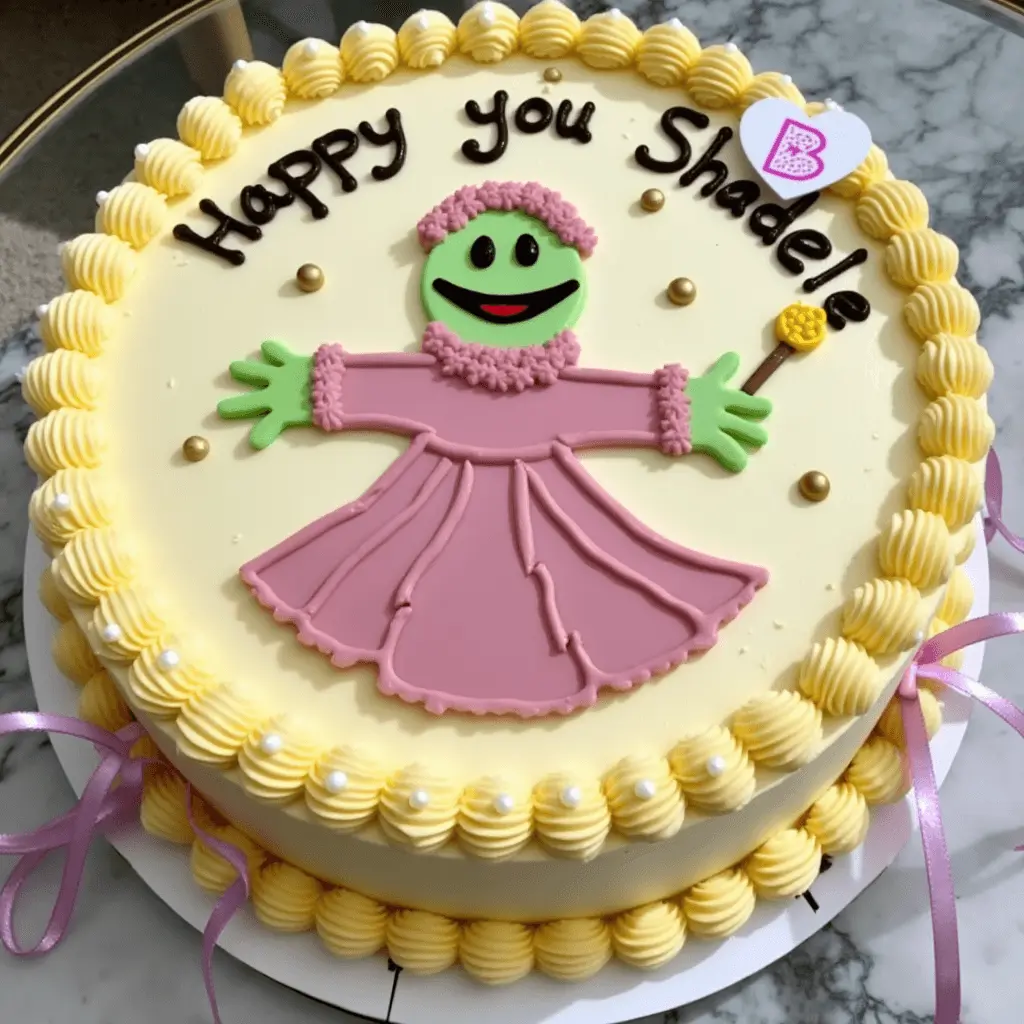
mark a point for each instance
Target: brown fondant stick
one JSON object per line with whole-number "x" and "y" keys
{"x": 767, "y": 367}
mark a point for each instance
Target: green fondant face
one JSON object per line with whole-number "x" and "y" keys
{"x": 505, "y": 279}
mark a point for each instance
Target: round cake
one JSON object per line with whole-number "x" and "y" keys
{"x": 505, "y": 468}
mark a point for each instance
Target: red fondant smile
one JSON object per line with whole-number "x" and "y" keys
{"x": 504, "y": 309}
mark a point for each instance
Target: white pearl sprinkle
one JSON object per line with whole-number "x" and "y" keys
{"x": 240, "y": 65}
{"x": 731, "y": 48}
{"x": 487, "y": 15}
{"x": 418, "y": 799}
{"x": 503, "y": 803}
{"x": 716, "y": 766}
{"x": 336, "y": 781}
{"x": 919, "y": 636}
{"x": 61, "y": 502}
{"x": 675, "y": 23}
{"x": 644, "y": 789}
{"x": 101, "y": 197}
{"x": 614, "y": 12}
{"x": 788, "y": 79}
{"x": 111, "y": 632}
{"x": 571, "y": 797}
{"x": 141, "y": 151}
{"x": 312, "y": 47}
{"x": 41, "y": 310}
{"x": 830, "y": 104}
{"x": 422, "y": 21}
{"x": 361, "y": 28}
{"x": 168, "y": 659}
{"x": 271, "y": 743}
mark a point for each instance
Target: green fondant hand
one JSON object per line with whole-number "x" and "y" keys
{"x": 722, "y": 419}
{"x": 282, "y": 399}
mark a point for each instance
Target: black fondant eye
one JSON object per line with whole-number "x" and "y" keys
{"x": 481, "y": 253}
{"x": 527, "y": 250}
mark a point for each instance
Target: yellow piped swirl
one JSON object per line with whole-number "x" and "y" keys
{"x": 65, "y": 439}
{"x": 666, "y": 53}
{"x": 349, "y": 924}
{"x": 349, "y": 806}
{"x": 279, "y": 776}
{"x": 256, "y": 92}
{"x": 608, "y": 40}
{"x": 874, "y": 169}
{"x": 549, "y": 30}
{"x": 312, "y": 69}
{"x": 942, "y": 308}
{"x": 72, "y": 654}
{"x": 210, "y": 870}
{"x": 785, "y": 865}
{"x": 840, "y": 677}
{"x": 496, "y": 952}
{"x": 100, "y": 703}
{"x": 169, "y": 166}
{"x": 488, "y": 32}
{"x": 954, "y": 661}
{"x": 891, "y": 206}
{"x": 890, "y": 725}
{"x": 720, "y": 905}
{"x": 208, "y": 125}
{"x": 133, "y": 212}
{"x": 839, "y": 819}
{"x": 426, "y": 40}
{"x": 53, "y": 600}
{"x": 285, "y": 898}
{"x": 714, "y": 770}
{"x": 648, "y": 937}
{"x": 957, "y": 426}
{"x": 78, "y": 320}
{"x": 93, "y": 563}
{"x": 495, "y": 818}
{"x": 966, "y": 538}
{"x": 878, "y": 771}
{"x": 213, "y": 724}
{"x": 921, "y": 257}
{"x": 947, "y": 486}
{"x": 572, "y": 950}
{"x": 61, "y": 379}
{"x": 719, "y": 77}
{"x": 423, "y": 828}
{"x": 771, "y": 85}
{"x": 369, "y": 52}
{"x": 948, "y": 365}
{"x": 779, "y": 729}
{"x": 163, "y": 807}
{"x": 421, "y": 942}
{"x": 644, "y": 798}
{"x": 958, "y": 598}
{"x": 99, "y": 263}
{"x": 916, "y": 545}
{"x": 883, "y": 615}
{"x": 164, "y": 692}
{"x": 575, "y": 827}
{"x": 70, "y": 501}
{"x": 136, "y": 624}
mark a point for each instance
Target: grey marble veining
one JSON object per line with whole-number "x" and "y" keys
{"x": 941, "y": 89}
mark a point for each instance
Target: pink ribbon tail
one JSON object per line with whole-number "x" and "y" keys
{"x": 993, "y": 519}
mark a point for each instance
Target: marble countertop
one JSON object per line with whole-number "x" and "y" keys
{"x": 941, "y": 89}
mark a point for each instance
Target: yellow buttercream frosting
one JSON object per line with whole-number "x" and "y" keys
{"x": 210, "y": 870}
{"x": 65, "y": 439}
{"x": 883, "y": 615}
{"x": 666, "y": 53}
{"x": 779, "y": 729}
{"x": 369, "y": 52}
{"x": 644, "y": 798}
{"x": 771, "y": 85}
{"x": 571, "y": 815}
{"x": 53, "y": 600}
{"x": 163, "y": 807}
{"x": 274, "y": 761}
{"x": 916, "y": 545}
{"x": 418, "y": 808}
{"x": 69, "y": 501}
{"x": 61, "y": 378}
{"x": 572, "y": 950}
{"x": 785, "y": 865}
{"x": 145, "y": 746}
{"x": 93, "y": 563}
{"x": 890, "y": 725}
{"x": 488, "y": 32}
{"x": 99, "y": 263}
{"x": 949, "y": 365}
{"x": 720, "y": 905}
{"x": 953, "y": 661}
{"x": 958, "y": 426}
{"x": 839, "y": 819}
{"x": 256, "y": 92}
{"x": 872, "y": 170}
{"x": 958, "y": 598}
{"x": 608, "y": 40}
{"x": 210, "y": 126}
{"x": 285, "y": 898}
{"x": 840, "y": 677}
{"x": 133, "y": 212}
{"x": 161, "y": 691}
{"x": 714, "y": 770}
{"x": 343, "y": 788}
{"x": 312, "y": 69}
{"x": 719, "y": 77}
{"x": 495, "y": 818}
{"x": 213, "y": 724}
{"x": 878, "y": 771}
{"x": 72, "y": 654}
{"x": 78, "y": 320}
{"x": 921, "y": 257}
{"x": 496, "y": 952}
{"x": 947, "y": 486}
{"x": 966, "y": 538}
{"x": 426, "y": 39}
{"x": 649, "y": 936}
{"x": 942, "y": 308}
{"x": 100, "y": 703}
{"x": 126, "y": 622}
{"x": 169, "y": 166}
{"x": 422, "y": 942}
{"x": 349, "y": 924}
{"x": 549, "y": 30}
{"x": 890, "y": 207}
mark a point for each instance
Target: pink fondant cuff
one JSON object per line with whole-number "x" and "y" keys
{"x": 673, "y": 409}
{"x": 325, "y": 382}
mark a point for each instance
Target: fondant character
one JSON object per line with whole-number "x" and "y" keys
{"x": 486, "y": 571}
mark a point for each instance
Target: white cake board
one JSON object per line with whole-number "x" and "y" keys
{"x": 369, "y": 988}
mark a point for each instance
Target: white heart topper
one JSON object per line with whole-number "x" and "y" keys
{"x": 795, "y": 153}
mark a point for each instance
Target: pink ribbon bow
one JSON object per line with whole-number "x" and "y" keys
{"x": 102, "y": 806}
{"x": 993, "y": 520}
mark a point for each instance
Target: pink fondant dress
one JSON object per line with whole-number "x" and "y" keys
{"x": 486, "y": 571}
